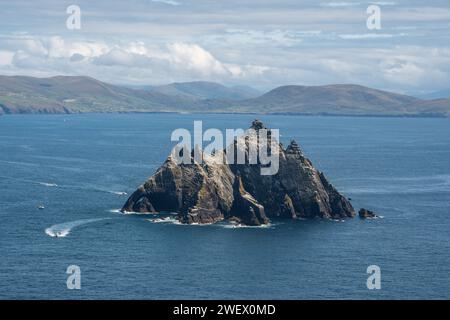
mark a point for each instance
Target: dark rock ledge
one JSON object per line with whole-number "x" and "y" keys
{"x": 367, "y": 214}
{"x": 211, "y": 192}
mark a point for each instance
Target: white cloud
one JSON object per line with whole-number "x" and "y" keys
{"x": 25, "y": 43}
{"x": 120, "y": 57}
{"x": 24, "y": 60}
{"x": 195, "y": 58}
{"x": 344, "y": 4}
{"x": 177, "y": 56}
{"x": 169, "y": 2}
{"x": 135, "y": 61}
{"x": 6, "y": 58}
{"x": 57, "y": 47}
{"x": 403, "y": 72}
{"x": 338, "y": 66}
{"x": 399, "y": 68}
{"x": 383, "y": 3}
{"x": 53, "y": 47}
{"x": 370, "y": 36}
{"x": 340, "y": 4}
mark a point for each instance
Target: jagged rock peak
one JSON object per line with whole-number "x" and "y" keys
{"x": 257, "y": 125}
{"x": 294, "y": 148}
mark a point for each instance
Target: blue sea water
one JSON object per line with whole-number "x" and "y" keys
{"x": 77, "y": 166}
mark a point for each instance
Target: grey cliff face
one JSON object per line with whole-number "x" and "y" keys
{"x": 210, "y": 191}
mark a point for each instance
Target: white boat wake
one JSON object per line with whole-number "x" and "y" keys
{"x": 119, "y": 193}
{"x": 48, "y": 184}
{"x": 63, "y": 229}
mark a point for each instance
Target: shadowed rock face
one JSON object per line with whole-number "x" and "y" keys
{"x": 367, "y": 214}
{"x": 211, "y": 191}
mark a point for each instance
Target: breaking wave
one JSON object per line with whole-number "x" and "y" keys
{"x": 375, "y": 218}
{"x": 132, "y": 212}
{"x": 242, "y": 226}
{"x": 221, "y": 224}
{"x": 165, "y": 220}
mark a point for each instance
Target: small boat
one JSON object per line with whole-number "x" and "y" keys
{"x": 41, "y": 207}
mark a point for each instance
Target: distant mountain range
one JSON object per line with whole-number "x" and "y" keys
{"x": 63, "y": 94}
{"x": 442, "y": 94}
{"x": 207, "y": 90}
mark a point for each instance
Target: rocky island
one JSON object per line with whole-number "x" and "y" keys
{"x": 208, "y": 192}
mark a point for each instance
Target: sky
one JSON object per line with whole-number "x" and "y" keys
{"x": 259, "y": 43}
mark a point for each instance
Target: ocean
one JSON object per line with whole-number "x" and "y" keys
{"x": 79, "y": 167}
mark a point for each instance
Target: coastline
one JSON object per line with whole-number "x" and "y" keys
{"x": 347, "y": 115}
